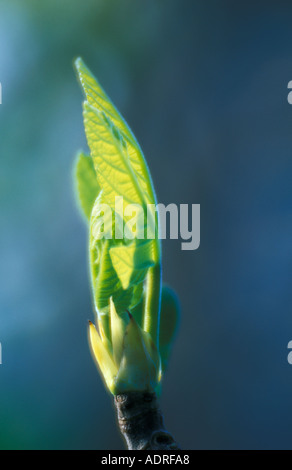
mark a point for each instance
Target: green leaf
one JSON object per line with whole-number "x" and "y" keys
{"x": 119, "y": 264}
{"x": 137, "y": 299}
{"x": 153, "y": 352}
{"x": 102, "y": 357}
{"x": 104, "y": 277}
{"x": 117, "y": 177}
{"x": 137, "y": 370}
{"x": 111, "y": 160}
{"x": 132, "y": 261}
{"x": 118, "y": 328}
{"x": 96, "y": 96}
{"x": 87, "y": 187}
{"x": 169, "y": 322}
{"x": 105, "y": 280}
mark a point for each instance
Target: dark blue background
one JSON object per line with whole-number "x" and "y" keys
{"x": 204, "y": 87}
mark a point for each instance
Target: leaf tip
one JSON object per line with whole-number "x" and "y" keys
{"x": 78, "y": 63}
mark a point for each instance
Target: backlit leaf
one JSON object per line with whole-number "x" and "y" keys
{"x": 87, "y": 187}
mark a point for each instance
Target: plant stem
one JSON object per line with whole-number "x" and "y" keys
{"x": 141, "y": 422}
{"x": 152, "y": 302}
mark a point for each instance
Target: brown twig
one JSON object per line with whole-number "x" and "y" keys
{"x": 141, "y": 422}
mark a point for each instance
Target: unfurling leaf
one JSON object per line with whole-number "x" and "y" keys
{"x": 169, "y": 322}
{"x": 118, "y": 265}
{"x": 86, "y": 182}
{"x": 102, "y": 357}
{"x": 132, "y": 261}
{"x": 118, "y": 327}
{"x": 113, "y": 183}
{"x": 137, "y": 370}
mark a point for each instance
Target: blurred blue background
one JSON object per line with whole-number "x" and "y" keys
{"x": 204, "y": 87}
